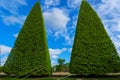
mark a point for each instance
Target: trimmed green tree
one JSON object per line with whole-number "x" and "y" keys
{"x": 30, "y": 52}
{"x": 93, "y": 52}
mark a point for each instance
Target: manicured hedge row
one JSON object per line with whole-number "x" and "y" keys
{"x": 93, "y": 52}
{"x": 30, "y": 49}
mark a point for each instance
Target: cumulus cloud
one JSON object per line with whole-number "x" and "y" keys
{"x": 55, "y": 52}
{"x": 56, "y": 19}
{"x": 5, "y": 49}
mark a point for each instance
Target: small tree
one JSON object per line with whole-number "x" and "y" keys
{"x": 93, "y": 52}
{"x": 30, "y": 50}
{"x": 61, "y": 61}
{"x": 66, "y": 67}
{"x": 62, "y": 66}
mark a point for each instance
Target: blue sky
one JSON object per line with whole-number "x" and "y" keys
{"x": 60, "y": 20}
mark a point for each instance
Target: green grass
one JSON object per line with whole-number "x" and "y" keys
{"x": 27, "y": 79}
{"x": 101, "y": 79}
{"x": 61, "y": 79}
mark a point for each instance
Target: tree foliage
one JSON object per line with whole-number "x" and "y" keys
{"x": 61, "y": 61}
{"x": 61, "y": 67}
{"x": 93, "y": 51}
{"x": 1, "y": 68}
{"x": 30, "y": 49}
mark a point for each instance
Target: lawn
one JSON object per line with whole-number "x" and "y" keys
{"x": 65, "y": 76}
{"x": 60, "y": 79}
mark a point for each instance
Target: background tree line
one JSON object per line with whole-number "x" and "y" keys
{"x": 61, "y": 66}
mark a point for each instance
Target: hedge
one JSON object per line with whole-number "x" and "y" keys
{"x": 93, "y": 52}
{"x": 30, "y": 49}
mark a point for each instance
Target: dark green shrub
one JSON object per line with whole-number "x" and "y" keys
{"x": 1, "y": 68}
{"x": 30, "y": 49}
{"x": 93, "y": 52}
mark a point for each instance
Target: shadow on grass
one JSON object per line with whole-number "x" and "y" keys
{"x": 61, "y": 77}
{"x": 94, "y": 76}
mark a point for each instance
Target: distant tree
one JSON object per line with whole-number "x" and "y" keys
{"x": 66, "y": 67}
{"x": 61, "y": 61}
{"x": 1, "y": 68}
{"x": 30, "y": 50}
{"x": 61, "y": 67}
{"x": 93, "y": 52}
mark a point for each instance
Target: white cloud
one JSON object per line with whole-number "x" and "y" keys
{"x": 51, "y": 2}
{"x": 11, "y": 20}
{"x": 70, "y": 50}
{"x": 118, "y": 36}
{"x": 74, "y": 3}
{"x": 12, "y": 6}
{"x": 109, "y": 12}
{"x": 55, "y": 52}
{"x": 5, "y": 49}
{"x": 22, "y": 2}
{"x": 116, "y": 42}
{"x": 15, "y": 35}
{"x": 68, "y": 40}
{"x": 116, "y": 25}
{"x": 56, "y": 19}
{"x": 3, "y": 60}
{"x": 53, "y": 62}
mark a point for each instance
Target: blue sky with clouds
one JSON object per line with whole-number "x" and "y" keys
{"x": 60, "y": 20}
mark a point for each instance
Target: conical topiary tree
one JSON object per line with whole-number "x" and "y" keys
{"x": 93, "y": 52}
{"x": 30, "y": 51}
